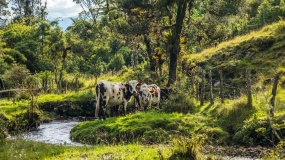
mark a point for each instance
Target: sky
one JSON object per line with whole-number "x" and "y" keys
{"x": 63, "y": 10}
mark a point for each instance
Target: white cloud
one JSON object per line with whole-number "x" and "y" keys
{"x": 62, "y": 8}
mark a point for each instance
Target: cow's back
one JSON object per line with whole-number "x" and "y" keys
{"x": 112, "y": 93}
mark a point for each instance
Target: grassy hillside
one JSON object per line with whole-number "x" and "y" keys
{"x": 261, "y": 51}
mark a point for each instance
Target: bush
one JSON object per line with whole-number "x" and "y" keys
{"x": 255, "y": 131}
{"x": 180, "y": 100}
{"x": 3, "y": 129}
{"x": 186, "y": 148}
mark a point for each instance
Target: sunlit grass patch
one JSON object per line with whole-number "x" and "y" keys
{"x": 146, "y": 128}
{"x": 25, "y": 150}
{"x": 50, "y": 97}
{"x": 131, "y": 151}
{"x": 12, "y": 108}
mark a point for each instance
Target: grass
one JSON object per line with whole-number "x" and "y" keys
{"x": 146, "y": 128}
{"x": 27, "y": 150}
{"x": 12, "y": 108}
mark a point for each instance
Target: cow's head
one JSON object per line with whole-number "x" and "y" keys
{"x": 145, "y": 95}
{"x": 132, "y": 86}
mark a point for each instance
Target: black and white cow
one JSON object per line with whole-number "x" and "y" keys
{"x": 149, "y": 95}
{"x": 113, "y": 94}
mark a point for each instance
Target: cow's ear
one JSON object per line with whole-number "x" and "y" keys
{"x": 152, "y": 91}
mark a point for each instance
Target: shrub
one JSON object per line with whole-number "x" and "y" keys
{"x": 255, "y": 131}
{"x": 3, "y": 129}
{"x": 186, "y": 148}
{"x": 180, "y": 100}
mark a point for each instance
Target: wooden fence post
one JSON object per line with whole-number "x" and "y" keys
{"x": 202, "y": 96}
{"x": 211, "y": 87}
{"x": 272, "y": 105}
{"x": 273, "y": 94}
{"x": 248, "y": 83}
{"x": 221, "y": 86}
{"x": 77, "y": 84}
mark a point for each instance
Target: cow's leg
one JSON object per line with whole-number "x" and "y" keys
{"x": 97, "y": 107}
{"x": 112, "y": 109}
{"x": 137, "y": 103}
{"x": 145, "y": 108}
{"x": 104, "y": 114}
{"x": 125, "y": 108}
{"x": 101, "y": 112}
{"x": 103, "y": 105}
{"x": 116, "y": 109}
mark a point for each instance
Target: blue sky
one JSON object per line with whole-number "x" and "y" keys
{"x": 63, "y": 10}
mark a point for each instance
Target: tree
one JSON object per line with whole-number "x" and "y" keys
{"x": 3, "y": 12}
{"x": 56, "y": 43}
{"x": 174, "y": 41}
{"x": 94, "y": 8}
{"x": 28, "y": 9}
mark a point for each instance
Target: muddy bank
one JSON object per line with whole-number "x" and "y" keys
{"x": 70, "y": 108}
{"x": 255, "y": 152}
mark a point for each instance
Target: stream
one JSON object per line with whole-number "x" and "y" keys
{"x": 54, "y": 132}
{"x": 58, "y": 132}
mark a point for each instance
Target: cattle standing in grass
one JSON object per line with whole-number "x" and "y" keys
{"x": 113, "y": 94}
{"x": 149, "y": 95}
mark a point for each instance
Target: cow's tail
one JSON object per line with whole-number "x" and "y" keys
{"x": 97, "y": 101}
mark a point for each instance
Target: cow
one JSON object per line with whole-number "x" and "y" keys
{"x": 113, "y": 94}
{"x": 149, "y": 95}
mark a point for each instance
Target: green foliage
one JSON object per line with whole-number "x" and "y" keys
{"x": 3, "y": 126}
{"x": 116, "y": 63}
{"x": 16, "y": 76}
{"x": 277, "y": 152}
{"x": 255, "y": 131}
{"x": 186, "y": 148}
{"x": 181, "y": 99}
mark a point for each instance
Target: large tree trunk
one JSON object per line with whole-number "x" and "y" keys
{"x": 175, "y": 40}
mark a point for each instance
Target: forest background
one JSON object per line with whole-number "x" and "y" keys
{"x": 186, "y": 45}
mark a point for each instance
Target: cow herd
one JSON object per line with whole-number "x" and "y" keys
{"x": 117, "y": 95}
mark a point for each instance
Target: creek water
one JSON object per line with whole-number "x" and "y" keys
{"x": 58, "y": 132}
{"x": 54, "y": 132}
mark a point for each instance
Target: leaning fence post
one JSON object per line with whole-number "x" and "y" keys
{"x": 221, "y": 86}
{"x": 248, "y": 83}
{"x": 211, "y": 87}
{"x": 202, "y": 97}
{"x": 272, "y": 105}
{"x": 273, "y": 94}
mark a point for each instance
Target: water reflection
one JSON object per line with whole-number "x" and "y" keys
{"x": 55, "y": 132}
